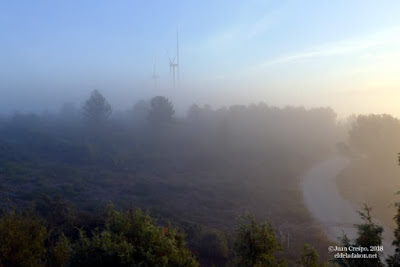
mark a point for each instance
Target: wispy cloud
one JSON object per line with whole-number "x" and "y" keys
{"x": 240, "y": 31}
{"x": 343, "y": 47}
{"x": 268, "y": 21}
{"x": 264, "y": 24}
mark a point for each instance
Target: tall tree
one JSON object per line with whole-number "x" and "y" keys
{"x": 161, "y": 110}
{"x": 368, "y": 234}
{"x": 96, "y": 109}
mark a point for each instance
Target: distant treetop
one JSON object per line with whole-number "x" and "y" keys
{"x": 161, "y": 109}
{"x": 96, "y": 109}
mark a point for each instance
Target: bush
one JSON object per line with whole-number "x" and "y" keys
{"x": 22, "y": 239}
{"x": 310, "y": 258}
{"x": 131, "y": 238}
{"x": 256, "y": 243}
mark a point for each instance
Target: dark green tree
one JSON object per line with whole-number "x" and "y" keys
{"x": 22, "y": 239}
{"x": 161, "y": 110}
{"x": 310, "y": 258}
{"x": 25, "y": 241}
{"x": 58, "y": 214}
{"x": 368, "y": 234}
{"x": 211, "y": 247}
{"x": 96, "y": 109}
{"x": 256, "y": 243}
{"x": 131, "y": 238}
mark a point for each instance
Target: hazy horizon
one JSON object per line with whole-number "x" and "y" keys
{"x": 290, "y": 155}
{"x": 342, "y": 55}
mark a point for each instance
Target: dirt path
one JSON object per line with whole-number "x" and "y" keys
{"x": 327, "y": 206}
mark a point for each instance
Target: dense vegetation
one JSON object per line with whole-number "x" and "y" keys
{"x": 114, "y": 238}
{"x": 47, "y": 235}
{"x": 198, "y": 172}
{"x": 121, "y": 239}
{"x": 193, "y": 174}
{"x": 373, "y": 175}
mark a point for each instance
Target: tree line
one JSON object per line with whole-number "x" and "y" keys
{"x": 215, "y": 160}
{"x": 50, "y": 234}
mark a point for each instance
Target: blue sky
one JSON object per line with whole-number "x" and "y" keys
{"x": 342, "y": 54}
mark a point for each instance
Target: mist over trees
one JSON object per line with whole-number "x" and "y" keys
{"x": 373, "y": 175}
{"x": 375, "y": 135}
{"x": 161, "y": 110}
{"x": 196, "y": 172}
{"x": 96, "y": 109}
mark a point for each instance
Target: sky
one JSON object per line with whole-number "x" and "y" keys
{"x": 343, "y": 54}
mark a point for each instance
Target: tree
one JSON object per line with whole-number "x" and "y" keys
{"x": 22, "y": 239}
{"x": 394, "y": 260}
{"x": 310, "y": 258}
{"x": 131, "y": 239}
{"x": 140, "y": 111}
{"x": 96, "y": 109}
{"x": 25, "y": 241}
{"x": 194, "y": 113}
{"x": 255, "y": 243}
{"x": 368, "y": 234}
{"x": 58, "y": 213}
{"x": 161, "y": 110}
{"x": 374, "y": 135}
{"x": 211, "y": 247}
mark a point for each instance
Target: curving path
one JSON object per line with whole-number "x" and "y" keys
{"x": 327, "y": 206}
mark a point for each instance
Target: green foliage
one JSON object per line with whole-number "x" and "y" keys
{"x": 96, "y": 109}
{"x": 394, "y": 260}
{"x": 256, "y": 243}
{"x": 131, "y": 239}
{"x": 58, "y": 254}
{"x": 58, "y": 214}
{"x": 22, "y": 239}
{"x": 214, "y": 245}
{"x": 310, "y": 258}
{"x": 128, "y": 238}
{"x": 191, "y": 172}
{"x": 102, "y": 249}
{"x": 210, "y": 245}
{"x": 368, "y": 234}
